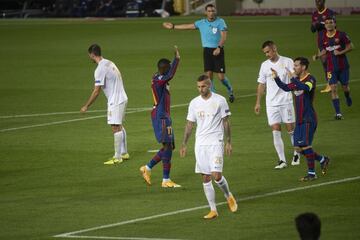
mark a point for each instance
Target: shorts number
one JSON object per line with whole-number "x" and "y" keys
{"x": 169, "y": 130}
{"x": 329, "y": 75}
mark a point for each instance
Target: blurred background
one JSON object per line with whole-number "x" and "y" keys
{"x": 164, "y": 8}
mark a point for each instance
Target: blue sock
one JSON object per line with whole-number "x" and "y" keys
{"x": 213, "y": 86}
{"x": 348, "y": 98}
{"x": 227, "y": 84}
{"x": 310, "y": 157}
{"x": 156, "y": 159}
{"x": 336, "y": 104}
{"x": 166, "y": 160}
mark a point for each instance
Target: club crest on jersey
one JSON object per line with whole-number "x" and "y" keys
{"x": 337, "y": 40}
{"x": 214, "y": 30}
{"x": 298, "y": 92}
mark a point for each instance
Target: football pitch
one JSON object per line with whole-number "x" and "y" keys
{"x": 53, "y": 184}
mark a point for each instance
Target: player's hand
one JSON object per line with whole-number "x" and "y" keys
{"x": 274, "y": 73}
{"x": 257, "y": 109}
{"x": 183, "y": 151}
{"x": 315, "y": 57}
{"x": 228, "y": 149}
{"x": 216, "y": 51}
{"x": 168, "y": 25}
{"x": 337, "y": 52}
{"x": 177, "y": 54}
{"x": 289, "y": 73}
{"x": 83, "y": 109}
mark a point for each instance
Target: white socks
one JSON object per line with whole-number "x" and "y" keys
{"x": 223, "y": 185}
{"x": 210, "y": 191}
{"x": 117, "y": 144}
{"x": 279, "y": 145}
{"x": 210, "y": 195}
{"x": 123, "y": 142}
{"x": 291, "y": 134}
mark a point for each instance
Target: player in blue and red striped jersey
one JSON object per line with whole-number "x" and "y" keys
{"x": 303, "y": 86}
{"x": 161, "y": 121}
{"x": 334, "y": 46}
{"x": 318, "y": 25}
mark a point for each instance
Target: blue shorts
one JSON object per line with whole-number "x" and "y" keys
{"x": 304, "y": 134}
{"x": 342, "y": 76}
{"x": 163, "y": 130}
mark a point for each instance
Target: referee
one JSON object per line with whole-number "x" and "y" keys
{"x": 213, "y": 31}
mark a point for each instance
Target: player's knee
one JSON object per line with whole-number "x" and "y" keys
{"x": 206, "y": 178}
{"x": 116, "y": 128}
{"x": 167, "y": 146}
{"x": 298, "y": 149}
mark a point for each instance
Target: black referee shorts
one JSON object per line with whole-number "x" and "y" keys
{"x": 214, "y": 63}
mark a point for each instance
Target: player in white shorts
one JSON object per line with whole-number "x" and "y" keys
{"x": 279, "y": 104}
{"x": 108, "y": 78}
{"x": 210, "y": 112}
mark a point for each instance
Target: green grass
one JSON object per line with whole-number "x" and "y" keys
{"x": 52, "y": 179}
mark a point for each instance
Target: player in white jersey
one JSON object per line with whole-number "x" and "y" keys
{"x": 108, "y": 78}
{"x": 279, "y": 104}
{"x": 210, "y": 112}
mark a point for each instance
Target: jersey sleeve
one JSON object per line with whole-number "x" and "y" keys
{"x": 224, "y": 108}
{"x": 262, "y": 75}
{"x": 345, "y": 38}
{"x": 197, "y": 24}
{"x": 191, "y": 116}
{"x": 290, "y": 65}
{"x": 100, "y": 77}
{"x": 223, "y": 26}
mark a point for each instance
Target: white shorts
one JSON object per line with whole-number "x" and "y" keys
{"x": 116, "y": 114}
{"x": 280, "y": 114}
{"x": 209, "y": 158}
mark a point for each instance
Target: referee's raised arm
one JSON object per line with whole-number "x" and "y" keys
{"x": 169, "y": 25}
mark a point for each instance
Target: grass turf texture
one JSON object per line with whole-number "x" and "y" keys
{"x": 53, "y": 179}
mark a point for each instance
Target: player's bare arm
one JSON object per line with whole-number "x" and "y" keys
{"x": 227, "y": 136}
{"x": 187, "y": 133}
{"x": 221, "y": 43}
{"x": 169, "y": 25}
{"x": 319, "y": 55}
{"x": 95, "y": 93}
{"x": 177, "y": 54}
{"x": 259, "y": 92}
{"x": 347, "y": 49}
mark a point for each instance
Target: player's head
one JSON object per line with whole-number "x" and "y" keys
{"x": 270, "y": 50}
{"x": 94, "y": 52}
{"x": 204, "y": 85}
{"x": 301, "y": 65}
{"x": 330, "y": 23}
{"x": 163, "y": 65}
{"x": 308, "y": 226}
{"x": 320, "y": 4}
{"x": 210, "y": 11}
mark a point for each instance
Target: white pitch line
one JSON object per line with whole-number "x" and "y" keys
{"x": 121, "y": 238}
{"x": 72, "y": 234}
{"x": 63, "y": 113}
{"x": 134, "y": 111}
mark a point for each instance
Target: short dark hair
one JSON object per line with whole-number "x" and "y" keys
{"x": 330, "y": 17}
{"x": 209, "y": 6}
{"x": 267, "y": 43}
{"x": 163, "y": 62}
{"x": 95, "y": 49}
{"x": 202, "y": 78}
{"x": 303, "y": 61}
{"x": 308, "y": 226}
